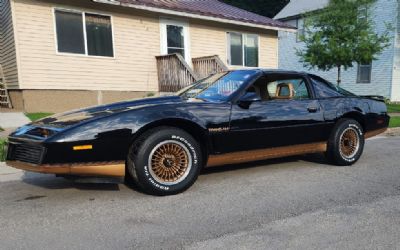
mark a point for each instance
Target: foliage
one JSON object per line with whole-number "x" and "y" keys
{"x": 393, "y": 108}
{"x": 341, "y": 35}
{"x": 2, "y": 150}
{"x": 1, "y": 129}
{"x": 394, "y": 122}
{"x": 265, "y": 8}
{"x": 36, "y": 116}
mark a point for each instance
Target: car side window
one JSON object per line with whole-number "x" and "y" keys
{"x": 290, "y": 88}
{"x": 278, "y": 86}
{"x": 322, "y": 89}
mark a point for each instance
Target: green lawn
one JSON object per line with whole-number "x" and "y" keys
{"x": 393, "y": 108}
{"x": 2, "y": 149}
{"x": 36, "y": 116}
{"x": 394, "y": 122}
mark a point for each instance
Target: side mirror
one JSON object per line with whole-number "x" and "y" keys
{"x": 247, "y": 99}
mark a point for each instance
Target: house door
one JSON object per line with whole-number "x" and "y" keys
{"x": 175, "y": 38}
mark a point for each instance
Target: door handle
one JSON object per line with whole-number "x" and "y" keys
{"x": 312, "y": 109}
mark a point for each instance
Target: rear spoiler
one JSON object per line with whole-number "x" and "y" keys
{"x": 375, "y": 97}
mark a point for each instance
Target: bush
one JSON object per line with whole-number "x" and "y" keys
{"x": 2, "y": 150}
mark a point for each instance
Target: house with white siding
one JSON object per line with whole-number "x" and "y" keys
{"x": 380, "y": 77}
{"x": 58, "y": 55}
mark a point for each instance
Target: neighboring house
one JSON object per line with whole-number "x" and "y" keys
{"x": 381, "y": 77}
{"x": 59, "y": 55}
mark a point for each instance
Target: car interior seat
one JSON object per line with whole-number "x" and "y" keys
{"x": 284, "y": 91}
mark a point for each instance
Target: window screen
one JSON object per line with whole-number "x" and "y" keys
{"x": 300, "y": 29}
{"x": 175, "y": 40}
{"x": 243, "y": 49}
{"x": 71, "y": 35}
{"x": 99, "y": 35}
{"x": 364, "y": 73}
{"x": 69, "y": 28}
{"x": 236, "y": 49}
{"x": 251, "y": 51}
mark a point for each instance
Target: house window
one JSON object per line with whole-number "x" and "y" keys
{"x": 84, "y": 33}
{"x": 300, "y": 29}
{"x": 174, "y": 38}
{"x": 363, "y": 13}
{"x": 243, "y": 49}
{"x": 364, "y": 73}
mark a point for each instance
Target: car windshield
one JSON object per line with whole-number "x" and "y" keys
{"x": 218, "y": 87}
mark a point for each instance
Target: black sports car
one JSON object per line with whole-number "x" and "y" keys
{"x": 231, "y": 117}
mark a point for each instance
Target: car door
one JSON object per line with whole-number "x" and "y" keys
{"x": 286, "y": 115}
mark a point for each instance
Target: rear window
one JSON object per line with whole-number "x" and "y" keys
{"x": 324, "y": 89}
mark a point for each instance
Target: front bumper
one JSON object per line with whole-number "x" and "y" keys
{"x": 101, "y": 169}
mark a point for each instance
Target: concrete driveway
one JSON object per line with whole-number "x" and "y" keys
{"x": 294, "y": 203}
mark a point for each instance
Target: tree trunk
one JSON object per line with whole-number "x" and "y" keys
{"x": 339, "y": 76}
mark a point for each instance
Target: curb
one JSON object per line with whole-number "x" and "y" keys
{"x": 9, "y": 174}
{"x": 12, "y": 174}
{"x": 392, "y": 132}
{"x": 6, "y": 170}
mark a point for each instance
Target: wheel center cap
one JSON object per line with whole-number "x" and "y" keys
{"x": 168, "y": 162}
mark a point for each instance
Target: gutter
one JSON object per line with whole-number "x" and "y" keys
{"x": 195, "y": 16}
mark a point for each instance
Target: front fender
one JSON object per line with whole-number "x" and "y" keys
{"x": 123, "y": 125}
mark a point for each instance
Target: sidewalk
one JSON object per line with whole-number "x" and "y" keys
{"x": 12, "y": 174}
{"x": 6, "y": 132}
{"x": 13, "y": 120}
{"x": 392, "y": 132}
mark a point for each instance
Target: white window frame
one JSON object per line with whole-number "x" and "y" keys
{"x": 300, "y": 29}
{"x": 244, "y": 37}
{"x": 363, "y": 12}
{"x": 163, "y": 36}
{"x": 84, "y": 32}
{"x": 359, "y": 65}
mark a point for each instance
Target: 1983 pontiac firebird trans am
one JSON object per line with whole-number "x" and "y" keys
{"x": 231, "y": 117}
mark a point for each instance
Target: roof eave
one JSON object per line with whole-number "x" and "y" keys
{"x": 286, "y": 18}
{"x": 196, "y": 16}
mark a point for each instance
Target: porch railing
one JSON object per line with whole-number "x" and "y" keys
{"x": 208, "y": 65}
{"x": 174, "y": 73}
{"x": 4, "y": 97}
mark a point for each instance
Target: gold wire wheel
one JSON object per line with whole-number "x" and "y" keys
{"x": 349, "y": 143}
{"x": 170, "y": 162}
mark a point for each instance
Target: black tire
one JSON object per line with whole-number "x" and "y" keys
{"x": 161, "y": 155}
{"x": 346, "y": 143}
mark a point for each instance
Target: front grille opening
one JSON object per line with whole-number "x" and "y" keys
{"x": 26, "y": 153}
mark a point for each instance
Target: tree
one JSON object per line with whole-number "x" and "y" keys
{"x": 340, "y": 35}
{"x": 265, "y": 8}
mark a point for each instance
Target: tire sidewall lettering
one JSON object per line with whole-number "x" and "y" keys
{"x": 154, "y": 182}
{"x": 187, "y": 143}
{"x": 355, "y": 126}
{"x": 192, "y": 150}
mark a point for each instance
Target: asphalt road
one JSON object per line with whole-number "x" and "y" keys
{"x": 294, "y": 203}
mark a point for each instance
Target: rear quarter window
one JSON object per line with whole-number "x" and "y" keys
{"x": 324, "y": 89}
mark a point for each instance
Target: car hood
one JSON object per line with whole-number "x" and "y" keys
{"x": 83, "y": 115}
